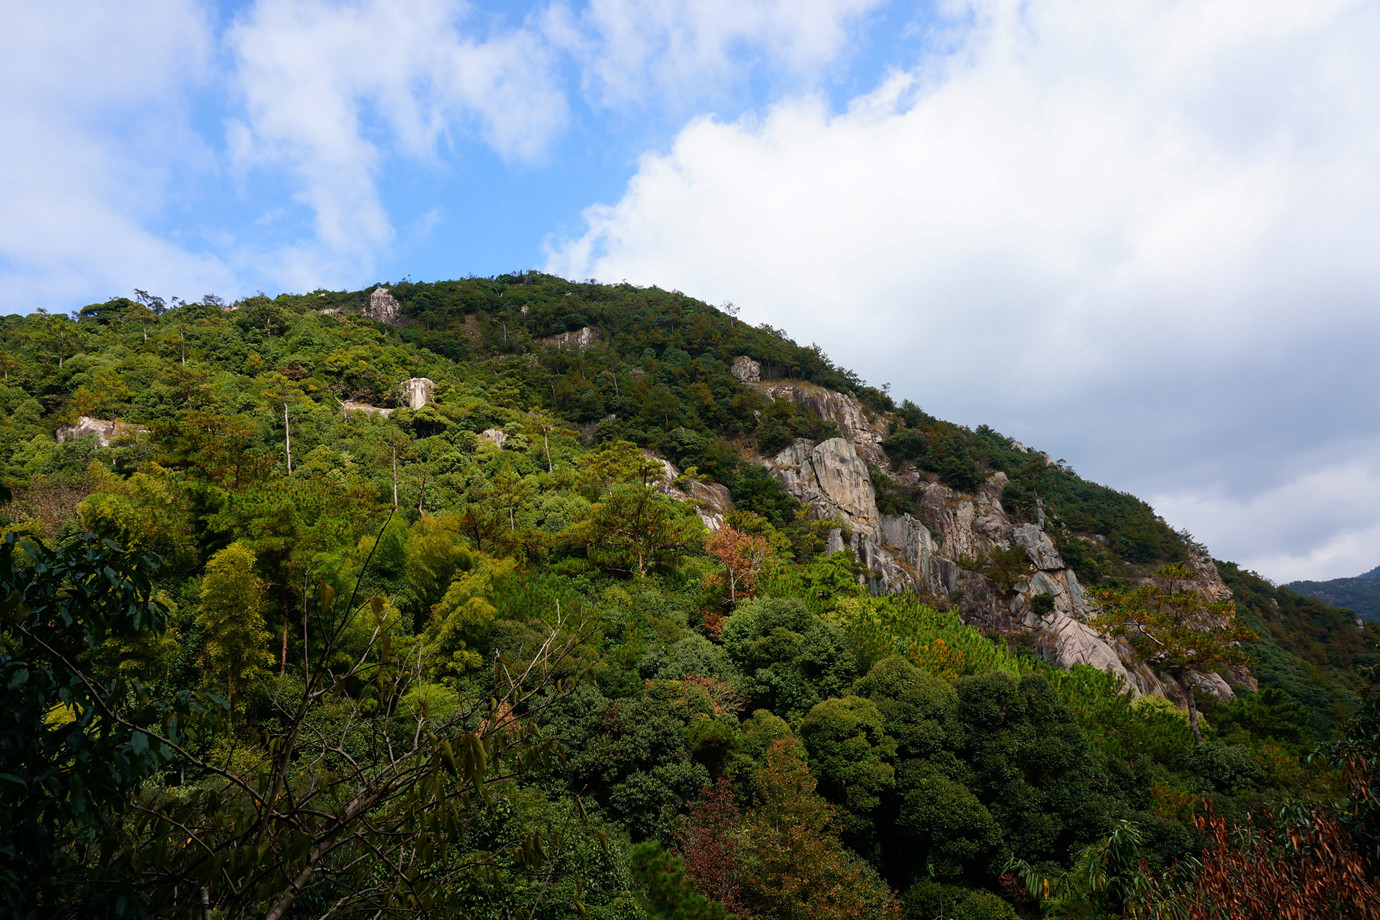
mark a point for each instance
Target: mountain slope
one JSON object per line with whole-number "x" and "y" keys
{"x": 573, "y": 567}
{"x": 1360, "y": 594}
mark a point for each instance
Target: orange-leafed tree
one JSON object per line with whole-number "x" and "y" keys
{"x": 743, "y": 555}
{"x": 1309, "y": 870}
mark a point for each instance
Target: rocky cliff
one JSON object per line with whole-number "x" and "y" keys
{"x": 943, "y": 553}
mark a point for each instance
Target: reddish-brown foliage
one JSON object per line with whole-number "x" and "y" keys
{"x": 708, "y": 844}
{"x": 796, "y": 868}
{"x": 743, "y": 555}
{"x": 1310, "y": 871}
{"x": 721, "y": 693}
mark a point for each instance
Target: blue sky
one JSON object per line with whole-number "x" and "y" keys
{"x": 1140, "y": 236}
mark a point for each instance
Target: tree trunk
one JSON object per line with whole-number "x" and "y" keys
{"x": 395, "y": 476}
{"x": 1192, "y": 713}
{"x": 282, "y": 661}
{"x": 287, "y": 438}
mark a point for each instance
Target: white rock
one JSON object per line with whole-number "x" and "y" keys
{"x": 746, "y": 369}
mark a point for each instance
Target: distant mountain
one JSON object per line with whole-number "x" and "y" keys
{"x": 1361, "y": 594}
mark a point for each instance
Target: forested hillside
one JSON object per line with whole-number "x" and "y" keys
{"x": 1360, "y": 594}
{"x": 497, "y": 598}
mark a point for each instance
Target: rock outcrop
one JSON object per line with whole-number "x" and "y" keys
{"x": 383, "y": 307}
{"x": 350, "y": 405}
{"x": 939, "y": 552}
{"x": 417, "y": 391}
{"x": 866, "y": 432}
{"x": 494, "y": 436}
{"x": 711, "y": 500}
{"x": 746, "y": 369}
{"x": 105, "y": 430}
{"x": 830, "y": 477}
{"x": 580, "y": 338}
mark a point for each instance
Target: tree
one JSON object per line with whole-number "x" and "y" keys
{"x": 667, "y": 894}
{"x": 743, "y": 555}
{"x": 74, "y": 744}
{"x": 349, "y": 798}
{"x": 708, "y": 843}
{"x": 231, "y": 613}
{"x": 795, "y": 866}
{"x": 635, "y": 527}
{"x": 851, "y": 754}
{"x": 1172, "y": 628}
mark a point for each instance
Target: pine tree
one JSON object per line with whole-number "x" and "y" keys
{"x": 1172, "y": 628}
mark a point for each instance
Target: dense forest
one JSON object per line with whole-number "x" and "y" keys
{"x": 282, "y": 638}
{"x": 1360, "y": 594}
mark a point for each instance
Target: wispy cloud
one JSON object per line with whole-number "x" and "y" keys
{"x": 333, "y": 91}
{"x": 658, "y": 51}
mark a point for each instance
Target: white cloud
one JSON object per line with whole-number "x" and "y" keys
{"x": 97, "y": 140}
{"x": 1323, "y": 524}
{"x": 1140, "y": 235}
{"x": 646, "y": 51}
{"x": 333, "y": 91}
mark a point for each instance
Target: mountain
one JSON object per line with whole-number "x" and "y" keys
{"x": 1360, "y": 594}
{"x": 521, "y": 596}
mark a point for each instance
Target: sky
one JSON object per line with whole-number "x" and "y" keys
{"x": 1142, "y": 236}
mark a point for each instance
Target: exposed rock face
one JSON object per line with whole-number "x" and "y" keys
{"x": 1039, "y": 547}
{"x": 494, "y": 436}
{"x": 417, "y": 391}
{"x": 903, "y": 553}
{"x": 746, "y": 369}
{"x": 863, "y": 431}
{"x": 831, "y": 477}
{"x": 971, "y": 526}
{"x": 711, "y": 499}
{"x": 105, "y": 430}
{"x": 581, "y": 338}
{"x": 383, "y": 306}
{"x": 350, "y": 405}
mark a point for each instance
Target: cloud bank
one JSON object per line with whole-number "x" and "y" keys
{"x": 1140, "y": 235}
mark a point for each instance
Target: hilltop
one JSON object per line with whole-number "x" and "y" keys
{"x": 524, "y": 593}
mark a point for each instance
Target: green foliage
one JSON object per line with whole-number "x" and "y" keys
{"x": 73, "y": 745}
{"x": 946, "y": 822}
{"x": 1360, "y": 594}
{"x": 461, "y": 618}
{"x": 983, "y": 905}
{"x": 1309, "y": 651}
{"x": 667, "y": 893}
{"x": 1031, "y": 764}
{"x": 1120, "y": 726}
{"x": 511, "y": 652}
{"x": 1105, "y": 876}
{"x": 918, "y": 709}
{"x": 1169, "y": 625}
{"x": 794, "y": 866}
{"x": 850, "y": 753}
{"x": 933, "y": 640}
{"x": 230, "y": 615}
{"x": 789, "y": 658}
